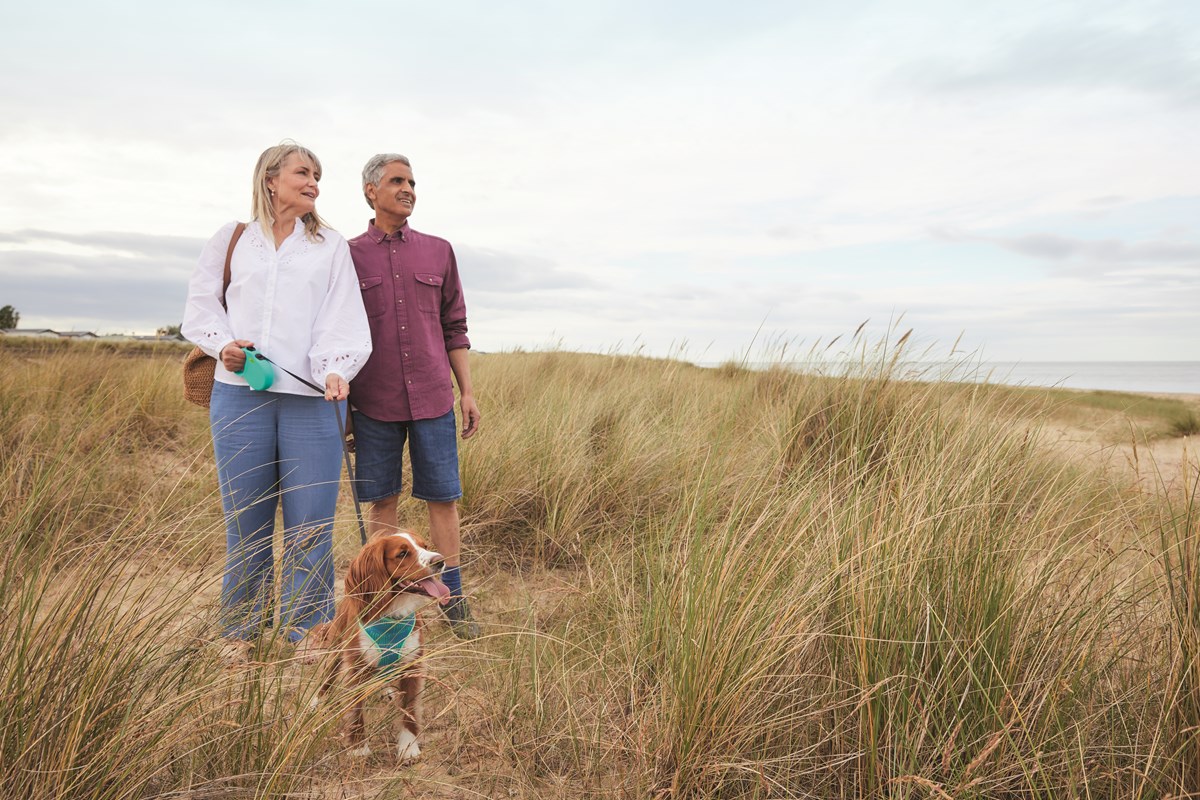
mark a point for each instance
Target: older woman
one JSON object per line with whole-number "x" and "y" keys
{"x": 292, "y": 295}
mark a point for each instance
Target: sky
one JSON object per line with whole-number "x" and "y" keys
{"x": 1013, "y": 180}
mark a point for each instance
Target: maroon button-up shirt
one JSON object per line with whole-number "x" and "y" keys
{"x": 415, "y": 307}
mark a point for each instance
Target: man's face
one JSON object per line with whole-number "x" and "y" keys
{"x": 396, "y": 193}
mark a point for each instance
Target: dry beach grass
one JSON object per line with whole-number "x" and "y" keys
{"x": 694, "y": 583}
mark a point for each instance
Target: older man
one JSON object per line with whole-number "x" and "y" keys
{"x": 414, "y": 302}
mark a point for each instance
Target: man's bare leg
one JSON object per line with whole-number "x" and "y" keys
{"x": 382, "y": 516}
{"x": 444, "y": 532}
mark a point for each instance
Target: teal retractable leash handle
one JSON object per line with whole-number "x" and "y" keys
{"x": 258, "y": 373}
{"x": 256, "y": 370}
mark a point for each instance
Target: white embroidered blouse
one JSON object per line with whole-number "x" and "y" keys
{"x": 300, "y": 305}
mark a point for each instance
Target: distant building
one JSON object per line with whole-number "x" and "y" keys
{"x": 44, "y": 332}
{"x": 47, "y": 333}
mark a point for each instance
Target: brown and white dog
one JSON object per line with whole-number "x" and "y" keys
{"x": 376, "y": 630}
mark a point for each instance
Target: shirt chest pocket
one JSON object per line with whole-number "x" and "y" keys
{"x": 428, "y": 292}
{"x": 374, "y": 295}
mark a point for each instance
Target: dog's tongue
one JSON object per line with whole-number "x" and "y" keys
{"x": 436, "y": 589}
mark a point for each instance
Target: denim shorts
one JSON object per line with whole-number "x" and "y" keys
{"x": 432, "y": 450}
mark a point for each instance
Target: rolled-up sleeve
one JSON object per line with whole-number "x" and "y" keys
{"x": 454, "y": 308}
{"x": 341, "y": 335}
{"x": 205, "y": 322}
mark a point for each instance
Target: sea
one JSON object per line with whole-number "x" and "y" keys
{"x": 1143, "y": 377}
{"x": 1147, "y": 377}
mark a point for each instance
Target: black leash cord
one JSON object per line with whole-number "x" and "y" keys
{"x": 362, "y": 528}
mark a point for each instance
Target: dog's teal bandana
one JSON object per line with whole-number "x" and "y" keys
{"x": 389, "y": 635}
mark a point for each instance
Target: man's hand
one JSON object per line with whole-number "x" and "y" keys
{"x": 232, "y": 357}
{"x": 470, "y": 415}
{"x": 336, "y": 387}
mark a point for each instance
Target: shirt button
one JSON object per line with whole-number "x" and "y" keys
{"x": 403, "y": 328}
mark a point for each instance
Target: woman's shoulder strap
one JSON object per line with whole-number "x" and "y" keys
{"x": 238, "y": 230}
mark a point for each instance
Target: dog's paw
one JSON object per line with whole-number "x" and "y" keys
{"x": 407, "y": 751}
{"x": 361, "y": 752}
{"x": 235, "y": 653}
{"x": 314, "y": 701}
{"x": 388, "y": 694}
{"x": 315, "y": 644}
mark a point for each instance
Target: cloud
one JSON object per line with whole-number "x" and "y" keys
{"x": 110, "y": 281}
{"x": 1106, "y": 251}
{"x": 127, "y": 245}
{"x": 123, "y": 280}
{"x": 1154, "y": 60}
{"x": 618, "y": 172}
{"x": 1106, "y": 201}
{"x": 1109, "y": 256}
{"x": 495, "y": 271}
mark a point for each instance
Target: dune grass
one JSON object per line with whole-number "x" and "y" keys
{"x": 768, "y": 584}
{"x": 1146, "y": 417}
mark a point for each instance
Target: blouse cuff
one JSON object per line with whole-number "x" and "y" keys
{"x": 345, "y": 364}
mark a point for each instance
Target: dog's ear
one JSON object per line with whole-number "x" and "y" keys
{"x": 367, "y": 576}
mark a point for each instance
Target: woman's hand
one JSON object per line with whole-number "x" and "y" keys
{"x": 232, "y": 357}
{"x": 336, "y": 387}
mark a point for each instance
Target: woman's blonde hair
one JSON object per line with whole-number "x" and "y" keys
{"x": 269, "y": 164}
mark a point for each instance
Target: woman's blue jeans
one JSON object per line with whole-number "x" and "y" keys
{"x": 271, "y": 446}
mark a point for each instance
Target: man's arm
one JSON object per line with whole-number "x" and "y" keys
{"x": 462, "y": 376}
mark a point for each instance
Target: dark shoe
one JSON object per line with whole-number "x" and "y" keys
{"x": 458, "y": 617}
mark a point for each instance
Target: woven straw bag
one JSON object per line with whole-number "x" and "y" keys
{"x": 199, "y": 368}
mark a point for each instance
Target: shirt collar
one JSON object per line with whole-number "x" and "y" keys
{"x": 297, "y": 227}
{"x": 377, "y": 234}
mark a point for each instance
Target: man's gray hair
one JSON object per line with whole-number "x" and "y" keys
{"x": 373, "y": 171}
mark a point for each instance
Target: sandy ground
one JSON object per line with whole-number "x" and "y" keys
{"x": 462, "y": 755}
{"x": 460, "y": 760}
{"x": 1169, "y": 464}
{"x": 1115, "y": 445}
